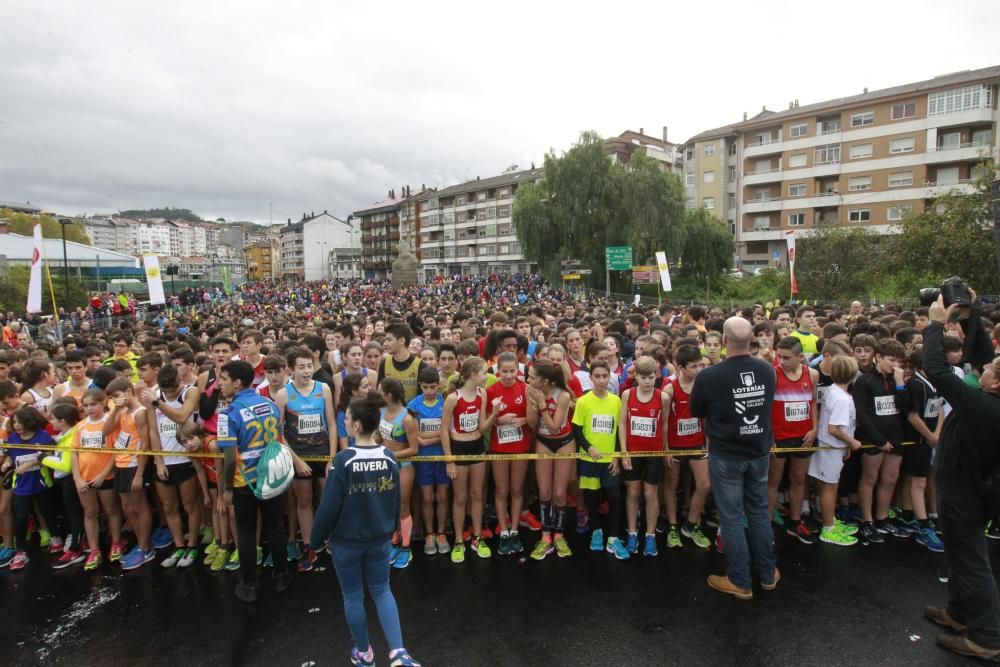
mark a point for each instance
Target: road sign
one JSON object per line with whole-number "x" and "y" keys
{"x": 571, "y": 276}
{"x": 776, "y": 254}
{"x": 618, "y": 258}
{"x": 644, "y": 275}
{"x": 576, "y": 272}
{"x": 570, "y": 262}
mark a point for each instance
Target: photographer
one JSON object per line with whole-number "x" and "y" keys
{"x": 968, "y": 483}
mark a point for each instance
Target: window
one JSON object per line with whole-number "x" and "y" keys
{"x": 459, "y": 201}
{"x": 796, "y": 189}
{"x": 798, "y": 130}
{"x": 797, "y": 160}
{"x": 905, "y": 110}
{"x": 708, "y": 202}
{"x": 503, "y": 211}
{"x": 862, "y": 119}
{"x": 732, "y": 148}
{"x": 982, "y": 137}
{"x": 949, "y": 140}
{"x": 947, "y": 175}
{"x": 830, "y": 125}
{"x": 859, "y": 151}
{"x": 898, "y": 212}
{"x": 960, "y": 99}
{"x": 859, "y": 215}
{"x": 904, "y": 145}
{"x": 860, "y": 183}
{"x": 709, "y": 149}
{"x": 796, "y": 219}
{"x": 689, "y": 179}
{"x": 763, "y": 194}
{"x": 504, "y": 249}
{"x": 732, "y": 228}
{"x": 730, "y": 201}
{"x": 826, "y": 154}
{"x": 762, "y": 222}
{"x": 763, "y": 167}
{"x": 900, "y": 179}
{"x": 488, "y": 249}
{"x": 689, "y": 204}
{"x": 504, "y": 230}
{"x": 515, "y": 248}
{"x": 732, "y": 174}
{"x": 708, "y": 177}
{"x": 690, "y": 154}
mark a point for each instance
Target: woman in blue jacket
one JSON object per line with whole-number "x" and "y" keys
{"x": 358, "y": 514}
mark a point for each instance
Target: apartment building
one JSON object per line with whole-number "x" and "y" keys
{"x": 467, "y": 229}
{"x": 263, "y": 260}
{"x": 868, "y": 159}
{"x": 711, "y": 173}
{"x": 305, "y": 245}
{"x": 379, "y": 224}
{"x": 102, "y": 233}
{"x": 667, "y": 154}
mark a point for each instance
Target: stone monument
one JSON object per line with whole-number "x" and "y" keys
{"x": 404, "y": 269}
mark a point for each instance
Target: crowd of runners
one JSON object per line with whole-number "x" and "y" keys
{"x": 461, "y": 368}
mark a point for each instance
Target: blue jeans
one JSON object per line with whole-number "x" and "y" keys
{"x": 740, "y": 486}
{"x": 353, "y": 564}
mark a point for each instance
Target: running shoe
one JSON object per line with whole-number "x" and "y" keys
{"x": 529, "y": 521}
{"x": 68, "y": 558}
{"x": 366, "y": 659}
{"x": 504, "y": 547}
{"x": 487, "y": 532}
{"x": 777, "y": 519}
{"x": 309, "y": 558}
{"x": 854, "y": 515}
{"x": 116, "y": 552}
{"x": 210, "y": 552}
{"x": 661, "y": 523}
{"x": 174, "y": 558}
{"x": 845, "y": 528}
{"x": 44, "y": 538}
{"x": 19, "y": 562}
{"x": 912, "y": 526}
{"x": 869, "y": 534}
{"x": 800, "y": 532}
{"x": 56, "y": 546}
{"x": 244, "y": 593}
{"x": 928, "y": 538}
{"x": 895, "y": 513}
{"x": 632, "y": 543}
{"x": 515, "y": 544}
{"x": 404, "y": 558}
{"x": 94, "y": 560}
{"x": 649, "y": 547}
{"x": 293, "y": 551}
{"x": 207, "y": 535}
{"x": 674, "y": 538}
{"x": 892, "y": 527}
{"x": 582, "y": 522}
{"x": 400, "y": 658}
{"x": 161, "y": 538}
{"x": 541, "y": 550}
{"x": 189, "y": 557}
{"x": 442, "y": 544}
{"x": 597, "y": 540}
{"x": 6, "y": 556}
{"x": 694, "y": 534}
{"x": 993, "y": 530}
{"x": 268, "y": 560}
{"x": 219, "y": 560}
{"x": 430, "y": 548}
{"x": 393, "y": 553}
{"x": 834, "y": 536}
{"x": 233, "y": 564}
{"x": 260, "y": 556}
{"x": 562, "y": 547}
{"x": 617, "y": 548}
{"x": 458, "y": 553}
{"x": 480, "y": 547}
{"x": 136, "y": 558}
{"x": 417, "y": 533}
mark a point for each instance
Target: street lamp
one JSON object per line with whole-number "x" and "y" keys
{"x": 62, "y": 228}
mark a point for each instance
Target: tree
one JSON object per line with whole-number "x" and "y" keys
{"x": 654, "y": 208}
{"x": 23, "y": 223}
{"x": 953, "y": 236}
{"x": 165, "y": 212}
{"x": 14, "y": 290}
{"x": 839, "y": 263}
{"x": 708, "y": 247}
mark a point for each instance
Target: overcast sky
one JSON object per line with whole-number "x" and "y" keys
{"x": 223, "y": 107}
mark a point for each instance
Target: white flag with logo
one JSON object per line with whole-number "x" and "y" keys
{"x": 153, "y": 278}
{"x": 35, "y": 283}
{"x": 661, "y": 264}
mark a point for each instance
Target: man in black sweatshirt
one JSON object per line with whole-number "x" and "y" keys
{"x": 968, "y": 484}
{"x": 735, "y": 399}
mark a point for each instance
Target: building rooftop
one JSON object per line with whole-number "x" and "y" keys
{"x": 525, "y": 176}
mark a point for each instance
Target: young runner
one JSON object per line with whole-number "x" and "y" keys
{"x": 431, "y": 476}
{"x": 398, "y": 430}
{"x": 64, "y": 418}
{"x": 31, "y": 482}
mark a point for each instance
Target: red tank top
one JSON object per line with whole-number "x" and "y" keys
{"x": 791, "y": 412}
{"x": 684, "y": 430}
{"x": 507, "y": 438}
{"x": 465, "y": 417}
{"x": 642, "y": 431}
{"x": 550, "y": 407}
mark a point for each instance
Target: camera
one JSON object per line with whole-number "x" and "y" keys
{"x": 954, "y": 290}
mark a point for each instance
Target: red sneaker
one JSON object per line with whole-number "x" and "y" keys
{"x": 529, "y": 521}
{"x": 487, "y": 533}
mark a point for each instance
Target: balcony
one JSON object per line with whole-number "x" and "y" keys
{"x": 762, "y": 204}
{"x": 765, "y": 146}
{"x": 762, "y": 176}
{"x": 960, "y": 152}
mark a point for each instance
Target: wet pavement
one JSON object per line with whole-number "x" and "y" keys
{"x": 834, "y": 605}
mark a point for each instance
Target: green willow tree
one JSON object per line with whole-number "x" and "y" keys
{"x": 708, "y": 248}
{"x": 839, "y": 263}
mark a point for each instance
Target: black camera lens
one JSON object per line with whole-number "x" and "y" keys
{"x": 929, "y": 295}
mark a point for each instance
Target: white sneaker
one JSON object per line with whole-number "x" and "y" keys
{"x": 174, "y": 558}
{"x": 189, "y": 558}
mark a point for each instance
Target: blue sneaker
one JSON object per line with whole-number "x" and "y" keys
{"x": 366, "y": 659}
{"x": 6, "y": 556}
{"x": 136, "y": 558}
{"x": 161, "y": 538}
{"x": 649, "y": 547}
{"x": 632, "y": 543}
{"x": 400, "y": 658}
{"x": 912, "y": 527}
{"x": 394, "y": 554}
{"x": 268, "y": 561}
{"x": 854, "y": 515}
{"x": 929, "y": 539}
{"x": 616, "y": 547}
{"x": 597, "y": 540}
{"x": 293, "y": 551}
{"x": 403, "y": 559}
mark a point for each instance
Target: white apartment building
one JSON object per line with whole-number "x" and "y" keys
{"x": 306, "y": 245}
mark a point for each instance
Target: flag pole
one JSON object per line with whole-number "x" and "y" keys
{"x": 48, "y": 273}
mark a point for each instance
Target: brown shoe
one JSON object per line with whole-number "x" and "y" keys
{"x": 965, "y": 646}
{"x": 774, "y": 584}
{"x": 941, "y": 616}
{"x": 723, "y": 585}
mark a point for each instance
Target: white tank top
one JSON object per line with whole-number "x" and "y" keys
{"x": 167, "y": 428}
{"x": 42, "y": 403}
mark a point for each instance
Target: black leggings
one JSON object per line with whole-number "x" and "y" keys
{"x": 73, "y": 511}
{"x": 246, "y": 506}
{"x": 592, "y": 498}
{"x": 22, "y": 510}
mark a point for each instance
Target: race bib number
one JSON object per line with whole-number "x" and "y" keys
{"x": 797, "y": 411}
{"x": 932, "y": 409}
{"x": 543, "y": 428}
{"x": 820, "y": 394}
{"x": 27, "y": 458}
{"x": 430, "y": 425}
{"x": 385, "y": 429}
{"x": 168, "y": 428}
{"x": 602, "y": 424}
{"x": 309, "y": 424}
{"x": 508, "y": 434}
{"x": 468, "y": 423}
{"x": 885, "y": 406}
{"x": 643, "y": 426}
{"x": 688, "y": 426}
{"x": 121, "y": 442}
{"x": 92, "y": 439}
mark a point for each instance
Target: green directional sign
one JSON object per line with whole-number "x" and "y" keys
{"x": 618, "y": 258}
